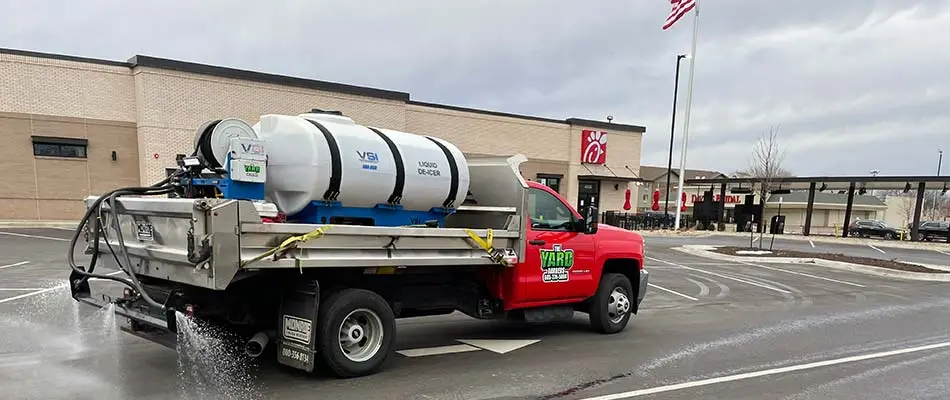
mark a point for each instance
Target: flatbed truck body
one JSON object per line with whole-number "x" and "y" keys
{"x": 330, "y": 293}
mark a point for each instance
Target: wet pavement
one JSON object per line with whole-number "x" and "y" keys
{"x": 708, "y": 329}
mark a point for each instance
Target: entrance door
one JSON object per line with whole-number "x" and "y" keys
{"x": 588, "y": 194}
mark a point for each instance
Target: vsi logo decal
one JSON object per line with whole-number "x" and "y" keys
{"x": 252, "y": 148}
{"x": 367, "y": 156}
{"x": 369, "y": 159}
{"x": 556, "y": 263}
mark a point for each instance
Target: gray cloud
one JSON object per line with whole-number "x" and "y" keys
{"x": 853, "y": 85}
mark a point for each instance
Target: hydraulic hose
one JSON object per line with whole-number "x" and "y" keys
{"x": 159, "y": 188}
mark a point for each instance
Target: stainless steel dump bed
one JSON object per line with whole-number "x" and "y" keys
{"x": 211, "y": 242}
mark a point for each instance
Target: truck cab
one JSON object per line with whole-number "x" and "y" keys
{"x": 572, "y": 259}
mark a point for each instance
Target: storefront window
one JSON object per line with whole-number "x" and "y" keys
{"x": 551, "y": 181}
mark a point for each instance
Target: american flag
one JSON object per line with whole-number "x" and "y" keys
{"x": 678, "y": 8}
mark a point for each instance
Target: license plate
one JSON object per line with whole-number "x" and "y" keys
{"x": 144, "y": 231}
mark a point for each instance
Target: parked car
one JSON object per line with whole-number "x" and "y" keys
{"x": 875, "y": 228}
{"x": 934, "y": 230}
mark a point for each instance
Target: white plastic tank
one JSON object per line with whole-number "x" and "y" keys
{"x": 303, "y": 151}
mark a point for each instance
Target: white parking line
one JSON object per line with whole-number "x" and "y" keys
{"x": 25, "y": 295}
{"x": 803, "y": 274}
{"x": 811, "y": 243}
{"x": 673, "y": 292}
{"x": 875, "y": 248}
{"x": 723, "y": 276}
{"x": 943, "y": 252}
{"x": 767, "y": 372}
{"x": 14, "y": 265}
{"x": 433, "y": 351}
{"x": 19, "y": 289}
{"x": 41, "y": 291}
{"x": 35, "y": 236}
{"x": 715, "y": 264}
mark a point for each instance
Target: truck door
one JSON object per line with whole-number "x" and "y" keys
{"x": 558, "y": 258}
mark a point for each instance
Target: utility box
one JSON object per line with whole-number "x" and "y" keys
{"x": 777, "y": 225}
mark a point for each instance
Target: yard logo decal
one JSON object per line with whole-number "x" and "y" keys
{"x": 556, "y": 263}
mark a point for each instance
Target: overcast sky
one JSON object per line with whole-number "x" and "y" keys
{"x": 852, "y": 85}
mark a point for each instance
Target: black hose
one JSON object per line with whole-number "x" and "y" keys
{"x": 158, "y": 188}
{"x": 161, "y": 187}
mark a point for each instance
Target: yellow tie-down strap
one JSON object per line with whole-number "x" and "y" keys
{"x": 289, "y": 243}
{"x": 498, "y": 257}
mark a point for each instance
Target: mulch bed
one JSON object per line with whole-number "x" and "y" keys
{"x": 891, "y": 264}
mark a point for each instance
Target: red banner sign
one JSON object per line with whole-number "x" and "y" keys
{"x": 730, "y": 199}
{"x": 593, "y": 147}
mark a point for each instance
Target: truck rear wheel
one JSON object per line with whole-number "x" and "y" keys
{"x": 611, "y": 306}
{"x": 356, "y": 332}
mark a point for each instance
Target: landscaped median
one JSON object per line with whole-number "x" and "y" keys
{"x": 873, "y": 266}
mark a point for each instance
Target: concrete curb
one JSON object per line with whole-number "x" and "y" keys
{"x": 27, "y": 224}
{"x": 704, "y": 251}
{"x": 662, "y": 233}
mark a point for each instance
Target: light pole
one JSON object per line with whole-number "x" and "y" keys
{"x": 669, "y": 165}
{"x": 933, "y": 209}
{"x": 874, "y": 173}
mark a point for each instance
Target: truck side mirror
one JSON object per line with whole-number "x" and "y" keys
{"x": 590, "y": 220}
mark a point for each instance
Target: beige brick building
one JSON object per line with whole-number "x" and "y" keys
{"x": 73, "y": 126}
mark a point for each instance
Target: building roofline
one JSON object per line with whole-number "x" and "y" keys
{"x": 262, "y": 77}
{"x": 569, "y": 121}
{"x": 62, "y": 57}
{"x": 486, "y": 112}
{"x": 606, "y": 125}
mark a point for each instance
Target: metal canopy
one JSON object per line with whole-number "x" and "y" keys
{"x": 841, "y": 184}
{"x": 835, "y": 182}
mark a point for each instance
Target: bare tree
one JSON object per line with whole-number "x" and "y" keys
{"x": 765, "y": 166}
{"x": 766, "y": 163}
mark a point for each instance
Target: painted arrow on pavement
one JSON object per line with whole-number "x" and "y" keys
{"x": 499, "y": 346}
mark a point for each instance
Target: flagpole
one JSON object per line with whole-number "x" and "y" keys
{"x": 689, "y": 102}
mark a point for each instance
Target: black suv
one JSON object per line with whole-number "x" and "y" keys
{"x": 870, "y": 227}
{"x": 931, "y": 230}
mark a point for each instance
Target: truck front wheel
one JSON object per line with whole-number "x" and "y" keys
{"x": 356, "y": 332}
{"x": 611, "y": 306}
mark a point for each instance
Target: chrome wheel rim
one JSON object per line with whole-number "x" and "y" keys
{"x": 361, "y": 335}
{"x": 618, "y": 305}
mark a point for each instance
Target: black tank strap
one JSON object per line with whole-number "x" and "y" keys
{"x": 400, "y": 185}
{"x": 336, "y": 163}
{"x": 453, "y": 170}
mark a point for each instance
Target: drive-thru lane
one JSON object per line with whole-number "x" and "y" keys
{"x": 703, "y": 319}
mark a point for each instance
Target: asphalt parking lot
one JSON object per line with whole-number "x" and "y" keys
{"x": 708, "y": 329}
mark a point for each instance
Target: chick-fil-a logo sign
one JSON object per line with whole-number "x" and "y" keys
{"x": 593, "y": 147}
